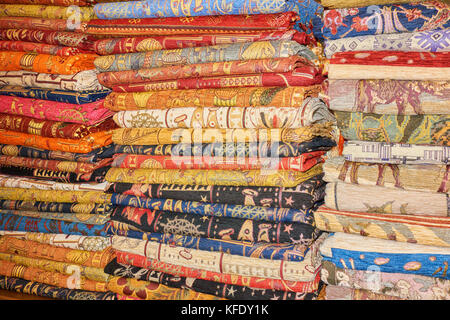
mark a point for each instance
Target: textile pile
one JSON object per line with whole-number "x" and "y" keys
{"x": 55, "y": 149}
{"x": 217, "y": 164}
{"x": 386, "y": 205}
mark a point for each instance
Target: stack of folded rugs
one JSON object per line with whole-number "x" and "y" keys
{"x": 55, "y": 149}
{"x": 217, "y": 165}
{"x": 386, "y": 204}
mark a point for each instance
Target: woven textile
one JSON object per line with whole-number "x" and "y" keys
{"x": 81, "y": 81}
{"x": 395, "y": 153}
{"x": 352, "y": 251}
{"x": 404, "y": 286}
{"x": 47, "y": 11}
{"x": 223, "y": 262}
{"x": 45, "y": 63}
{"x": 424, "y": 41}
{"x": 359, "y": 3}
{"x": 37, "y": 48}
{"x": 200, "y": 24}
{"x": 217, "y": 53}
{"x": 61, "y": 207}
{"x": 313, "y": 110}
{"x": 45, "y": 290}
{"x": 223, "y": 290}
{"x": 28, "y": 183}
{"x": 428, "y": 178}
{"x": 65, "y": 3}
{"x": 396, "y": 65}
{"x": 377, "y": 19}
{"x": 426, "y": 230}
{"x": 293, "y": 97}
{"x": 303, "y": 196}
{"x": 411, "y": 129}
{"x": 87, "y": 219}
{"x": 345, "y": 293}
{"x": 43, "y": 24}
{"x": 390, "y": 96}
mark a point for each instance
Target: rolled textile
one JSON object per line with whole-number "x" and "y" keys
{"x": 269, "y": 177}
{"x": 410, "y": 129}
{"x": 396, "y": 65}
{"x": 306, "y": 77}
{"x": 222, "y": 262}
{"x": 345, "y": 293}
{"x": 243, "y": 97}
{"x": 52, "y": 196}
{"x": 71, "y": 241}
{"x": 426, "y": 230}
{"x": 160, "y": 8}
{"x": 41, "y": 289}
{"x": 313, "y": 110}
{"x": 86, "y": 144}
{"x": 88, "y": 113}
{"x": 262, "y": 250}
{"x": 419, "y": 41}
{"x": 216, "y": 53}
{"x": 401, "y": 285}
{"x": 303, "y": 196}
{"x": 148, "y": 290}
{"x": 238, "y": 149}
{"x": 377, "y": 19}
{"x": 51, "y": 128}
{"x": 47, "y": 11}
{"x": 140, "y": 77}
{"x": 335, "y": 4}
{"x": 65, "y": 96}
{"x": 428, "y": 178}
{"x": 213, "y": 227}
{"x": 149, "y": 136}
{"x": 19, "y": 22}
{"x": 62, "y": 207}
{"x": 60, "y": 38}
{"x": 141, "y": 43}
{"x": 232, "y": 292}
{"x": 401, "y": 97}
{"x": 31, "y": 47}
{"x": 14, "y": 222}
{"x": 81, "y": 81}
{"x": 199, "y": 24}
{"x": 33, "y": 249}
{"x": 85, "y": 273}
{"x": 88, "y": 219}
{"x": 30, "y": 152}
{"x": 213, "y": 209}
{"x": 45, "y": 63}
{"x": 302, "y": 163}
{"x": 49, "y": 277}
{"x": 361, "y": 253}
{"x": 395, "y": 153}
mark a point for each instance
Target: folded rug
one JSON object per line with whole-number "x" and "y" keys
{"x": 313, "y": 110}
{"x": 395, "y": 153}
{"x": 216, "y": 53}
{"x": 426, "y": 230}
{"x": 39, "y": 48}
{"x": 396, "y": 65}
{"x": 350, "y": 251}
{"x": 390, "y": 128}
{"x": 213, "y": 227}
{"x": 303, "y": 196}
{"x": 420, "y": 41}
{"x": 45, "y": 63}
{"x": 129, "y": 44}
{"x": 401, "y": 97}
{"x": 149, "y": 136}
{"x": 43, "y": 24}
{"x": 81, "y": 81}
{"x": 82, "y": 218}
{"x": 222, "y": 262}
{"x": 61, "y": 207}
{"x": 213, "y": 23}
{"x": 41, "y": 289}
{"x": 47, "y": 11}
{"x": 243, "y": 97}
{"x": 223, "y": 290}
{"x": 376, "y": 19}
{"x": 235, "y": 149}
{"x": 160, "y": 8}
{"x": 428, "y": 178}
